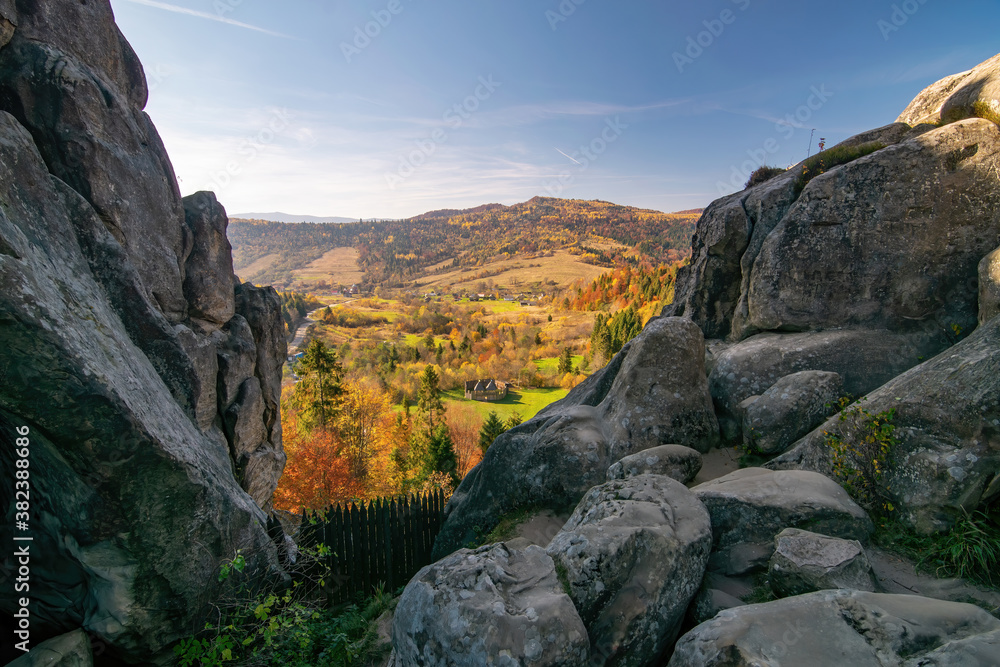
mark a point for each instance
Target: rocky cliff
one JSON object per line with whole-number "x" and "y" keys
{"x": 868, "y": 270}
{"x": 148, "y": 376}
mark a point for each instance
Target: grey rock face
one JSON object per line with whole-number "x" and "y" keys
{"x": 674, "y": 461}
{"x": 989, "y": 287}
{"x": 494, "y": 605}
{"x": 69, "y": 650}
{"x": 81, "y": 97}
{"x": 948, "y": 424}
{"x": 209, "y": 280}
{"x": 792, "y": 407}
{"x": 122, "y": 466}
{"x": 954, "y": 97}
{"x": 114, "y": 308}
{"x": 708, "y": 288}
{"x": 634, "y": 553}
{"x": 864, "y": 359}
{"x": 836, "y": 628}
{"x": 889, "y": 241}
{"x": 653, "y": 392}
{"x": 750, "y": 507}
{"x": 804, "y": 562}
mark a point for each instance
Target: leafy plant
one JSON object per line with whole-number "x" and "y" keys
{"x": 833, "y": 157}
{"x": 286, "y": 625}
{"x": 863, "y": 458}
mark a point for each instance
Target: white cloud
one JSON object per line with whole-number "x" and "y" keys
{"x": 205, "y": 15}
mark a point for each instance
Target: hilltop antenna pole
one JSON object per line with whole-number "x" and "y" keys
{"x": 811, "y": 135}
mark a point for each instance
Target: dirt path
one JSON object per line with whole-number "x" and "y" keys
{"x": 300, "y": 333}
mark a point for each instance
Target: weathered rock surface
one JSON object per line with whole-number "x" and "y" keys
{"x": 889, "y": 241}
{"x": 804, "y": 562}
{"x": 710, "y": 601}
{"x": 989, "y": 286}
{"x": 708, "y": 288}
{"x": 80, "y": 93}
{"x": 209, "y": 280}
{"x": 114, "y": 308}
{"x": 494, "y": 605}
{"x": 673, "y": 461}
{"x": 633, "y": 554}
{"x": 69, "y": 650}
{"x": 653, "y": 392}
{"x": 835, "y": 628}
{"x": 751, "y": 506}
{"x": 792, "y": 407}
{"x": 864, "y": 359}
{"x": 954, "y": 97}
{"x": 948, "y": 424}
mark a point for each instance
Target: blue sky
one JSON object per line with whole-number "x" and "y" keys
{"x": 390, "y": 108}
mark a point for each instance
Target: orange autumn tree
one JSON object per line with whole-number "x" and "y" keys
{"x": 317, "y": 473}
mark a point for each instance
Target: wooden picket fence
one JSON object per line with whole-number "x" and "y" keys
{"x": 379, "y": 543}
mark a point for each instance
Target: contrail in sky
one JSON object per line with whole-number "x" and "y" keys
{"x": 564, "y": 155}
{"x": 206, "y": 15}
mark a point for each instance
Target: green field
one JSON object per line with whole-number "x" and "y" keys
{"x": 551, "y": 364}
{"x": 525, "y": 402}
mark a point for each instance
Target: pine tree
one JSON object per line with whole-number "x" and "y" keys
{"x": 566, "y": 361}
{"x": 429, "y": 397}
{"x": 515, "y": 419}
{"x": 318, "y": 394}
{"x": 491, "y": 429}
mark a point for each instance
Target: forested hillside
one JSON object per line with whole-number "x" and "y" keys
{"x": 393, "y": 253}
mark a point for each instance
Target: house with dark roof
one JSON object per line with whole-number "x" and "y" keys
{"x": 485, "y": 390}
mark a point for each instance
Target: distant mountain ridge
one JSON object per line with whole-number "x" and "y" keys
{"x": 291, "y": 217}
{"x": 397, "y": 252}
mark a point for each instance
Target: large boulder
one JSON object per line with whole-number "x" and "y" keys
{"x": 957, "y": 96}
{"x": 751, "y": 506}
{"x": 804, "y": 562}
{"x": 947, "y": 418}
{"x": 864, "y": 359}
{"x": 891, "y": 240}
{"x": 633, "y": 555}
{"x": 989, "y": 287}
{"x": 793, "y": 406}
{"x": 653, "y": 392}
{"x": 836, "y": 628}
{"x": 491, "y": 606}
{"x": 673, "y": 461}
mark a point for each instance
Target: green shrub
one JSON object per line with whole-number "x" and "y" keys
{"x": 762, "y": 175}
{"x": 979, "y": 110}
{"x": 833, "y": 157}
{"x": 290, "y": 627}
{"x": 864, "y": 456}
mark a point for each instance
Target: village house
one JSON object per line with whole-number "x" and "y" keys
{"x": 485, "y": 390}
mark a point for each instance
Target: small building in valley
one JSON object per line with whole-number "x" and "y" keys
{"x": 485, "y": 390}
